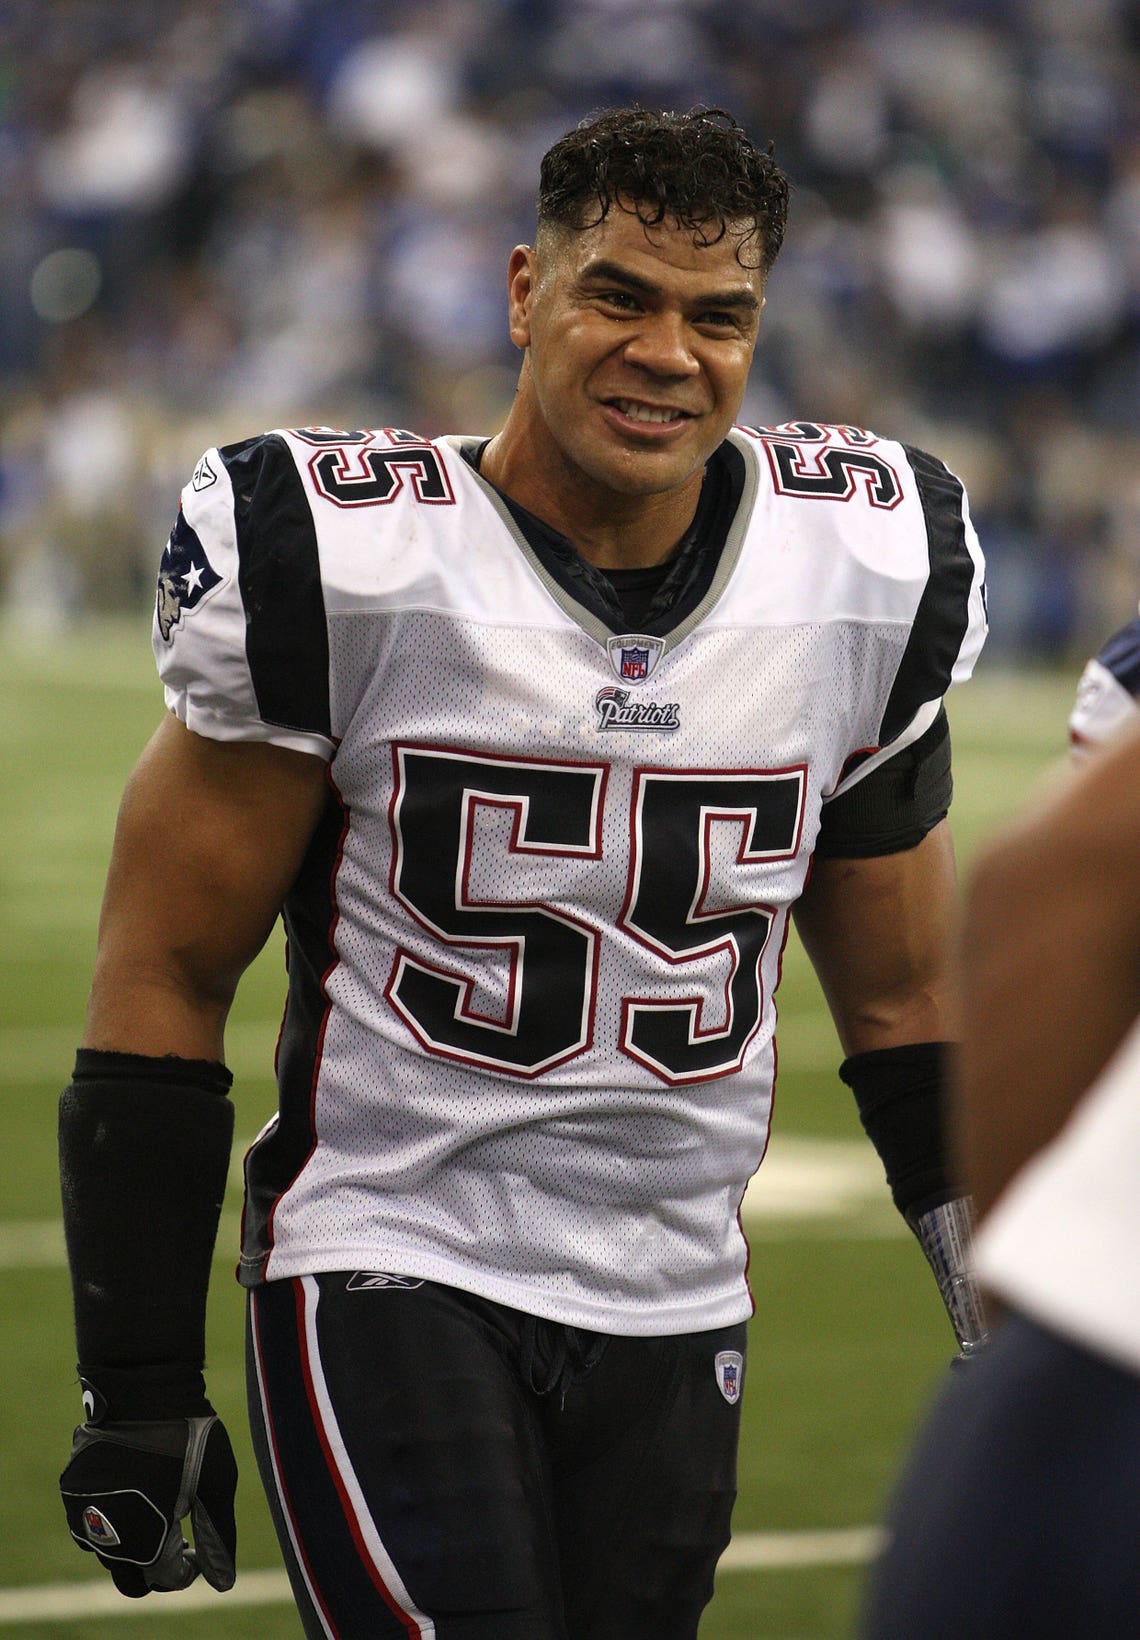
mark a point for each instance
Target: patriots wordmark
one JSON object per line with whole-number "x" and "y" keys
{"x": 617, "y": 712}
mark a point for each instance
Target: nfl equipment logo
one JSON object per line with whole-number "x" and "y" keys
{"x": 633, "y": 655}
{"x": 729, "y": 1366}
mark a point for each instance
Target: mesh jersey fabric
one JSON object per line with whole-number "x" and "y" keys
{"x": 529, "y": 1044}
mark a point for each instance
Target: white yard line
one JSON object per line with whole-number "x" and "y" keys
{"x": 806, "y": 1187}
{"x": 71, "y": 1602}
{"x": 791, "y": 1551}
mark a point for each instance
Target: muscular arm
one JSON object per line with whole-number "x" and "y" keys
{"x": 1050, "y": 964}
{"x": 209, "y": 838}
{"x": 879, "y": 933}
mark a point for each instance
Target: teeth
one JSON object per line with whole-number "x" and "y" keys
{"x": 644, "y": 412}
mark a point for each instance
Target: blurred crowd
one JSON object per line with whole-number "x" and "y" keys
{"x": 221, "y": 215}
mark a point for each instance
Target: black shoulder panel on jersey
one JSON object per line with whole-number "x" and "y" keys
{"x": 943, "y": 615}
{"x": 894, "y": 806}
{"x": 279, "y": 574}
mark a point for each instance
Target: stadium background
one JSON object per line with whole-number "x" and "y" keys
{"x": 222, "y": 216}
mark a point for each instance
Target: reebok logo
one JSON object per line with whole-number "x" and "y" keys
{"x": 373, "y": 1281}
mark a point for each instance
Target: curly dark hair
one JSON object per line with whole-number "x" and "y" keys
{"x": 701, "y": 169}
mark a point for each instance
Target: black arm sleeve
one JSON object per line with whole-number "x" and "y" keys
{"x": 144, "y": 1152}
{"x": 900, "y": 1093}
{"x": 895, "y": 806}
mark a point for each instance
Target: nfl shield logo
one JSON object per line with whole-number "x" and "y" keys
{"x": 729, "y": 1366}
{"x": 633, "y": 655}
{"x": 98, "y": 1528}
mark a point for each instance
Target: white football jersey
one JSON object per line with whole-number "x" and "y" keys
{"x": 529, "y": 1043}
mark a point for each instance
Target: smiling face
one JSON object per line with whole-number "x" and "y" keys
{"x": 638, "y": 345}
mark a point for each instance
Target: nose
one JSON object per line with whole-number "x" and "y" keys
{"x": 661, "y": 346}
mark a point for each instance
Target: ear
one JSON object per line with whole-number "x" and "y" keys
{"x": 521, "y": 281}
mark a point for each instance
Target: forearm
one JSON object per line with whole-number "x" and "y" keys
{"x": 879, "y": 933}
{"x": 901, "y": 1098}
{"x": 153, "y": 1005}
{"x": 144, "y": 1154}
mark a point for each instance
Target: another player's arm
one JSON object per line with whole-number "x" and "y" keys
{"x": 1050, "y": 970}
{"x": 880, "y": 932}
{"x": 210, "y": 836}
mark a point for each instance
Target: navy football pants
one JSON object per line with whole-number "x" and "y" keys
{"x": 1017, "y": 1517}
{"x": 443, "y": 1468}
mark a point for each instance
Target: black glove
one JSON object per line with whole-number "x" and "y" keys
{"x": 128, "y": 1487}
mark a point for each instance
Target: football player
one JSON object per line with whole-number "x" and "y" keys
{"x": 534, "y": 742}
{"x": 1017, "y": 1513}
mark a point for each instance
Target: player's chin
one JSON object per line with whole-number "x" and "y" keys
{"x": 649, "y": 472}
{"x": 646, "y": 466}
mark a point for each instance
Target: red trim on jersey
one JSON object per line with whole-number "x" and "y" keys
{"x": 727, "y": 945}
{"x": 851, "y": 762}
{"x": 353, "y": 470}
{"x": 402, "y": 959}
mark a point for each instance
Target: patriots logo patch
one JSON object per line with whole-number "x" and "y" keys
{"x": 185, "y": 577}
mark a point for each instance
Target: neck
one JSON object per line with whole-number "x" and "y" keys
{"x": 611, "y": 529}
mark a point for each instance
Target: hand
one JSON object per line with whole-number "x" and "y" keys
{"x": 128, "y": 1487}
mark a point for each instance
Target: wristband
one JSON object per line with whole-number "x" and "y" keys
{"x": 144, "y": 1149}
{"x": 900, "y": 1094}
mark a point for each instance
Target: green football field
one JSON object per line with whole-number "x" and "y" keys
{"x": 849, "y": 1339}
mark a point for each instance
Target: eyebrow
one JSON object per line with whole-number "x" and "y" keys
{"x": 613, "y": 273}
